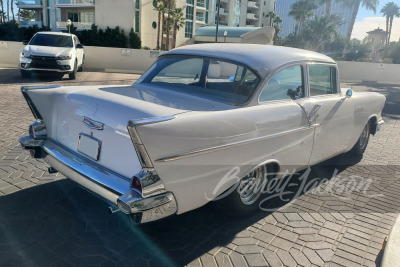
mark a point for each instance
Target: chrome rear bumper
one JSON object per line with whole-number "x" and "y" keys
{"x": 104, "y": 183}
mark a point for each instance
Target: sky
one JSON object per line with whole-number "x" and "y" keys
{"x": 367, "y": 21}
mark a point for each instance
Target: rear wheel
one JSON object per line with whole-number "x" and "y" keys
{"x": 247, "y": 197}
{"x": 25, "y": 74}
{"x": 72, "y": 75}
{"x": 362, "y": 142}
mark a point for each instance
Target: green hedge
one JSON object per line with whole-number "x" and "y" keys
{"x": 10, "y": 31}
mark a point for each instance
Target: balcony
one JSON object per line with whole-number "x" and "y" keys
{"x": 252, "y": 4}
{"x": 26, "y": 24}
{"x": 79, "y": 25}
{"x": 200, "y": 20}
{"x": 75, "y": 3}
{"x": 252, "y": 16}
{"x": 200, "y": 6}
{"x": 223, "y": 11}
{"x": 30, "y": 4}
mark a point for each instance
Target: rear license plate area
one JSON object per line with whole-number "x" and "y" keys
{"x": 89, "y": 146}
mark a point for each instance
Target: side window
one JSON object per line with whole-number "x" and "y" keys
{"x": 322, "y": 80}
{"x": 286, "y": 84}
{"x": 182, "y": 71}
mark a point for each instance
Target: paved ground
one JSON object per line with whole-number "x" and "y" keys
{"x": 48, "y": 220}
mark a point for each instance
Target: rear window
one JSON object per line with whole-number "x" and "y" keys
{"x": 51, "y": 40}
{"x": 215, "y": 79}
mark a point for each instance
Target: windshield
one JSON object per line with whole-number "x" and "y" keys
{"x": 52, "y": 40}
{"x": 215, "y": 79}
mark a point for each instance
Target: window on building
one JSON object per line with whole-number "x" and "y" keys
{"x": 190, "y": 2}
{"x": 286, "y": 84}
{"x": 199, "y": 16}
{"x": 189, "y": 12}
{"x": 206, "y": 16}
{"x": 137, "y": 4}
{"x": 322, "y": 80}
{"x": 201, "y": 3}
{"x": 189, "y": 29}
{"x": 137, "y": 20}
{"x": 73, "y": 16}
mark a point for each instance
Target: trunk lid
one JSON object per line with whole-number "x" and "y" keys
{"x": 65, "y": 108}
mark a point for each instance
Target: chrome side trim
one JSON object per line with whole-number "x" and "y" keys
{"x": 227, "y": 146}
{"x": 141, "y": 152}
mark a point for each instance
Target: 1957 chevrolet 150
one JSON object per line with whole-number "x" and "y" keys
{"x": 165, "y": 144}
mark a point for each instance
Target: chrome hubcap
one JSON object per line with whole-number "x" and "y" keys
{"x": 250, "y": 188}
{"x": 364, "y": 137}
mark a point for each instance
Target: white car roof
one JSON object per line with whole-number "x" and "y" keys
{"x": 57, "y": 33}
{"x": 262, "y": 58}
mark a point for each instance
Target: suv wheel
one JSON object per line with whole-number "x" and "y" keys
{"x": 81, "y": 68}
{"x": 72, "y": 75}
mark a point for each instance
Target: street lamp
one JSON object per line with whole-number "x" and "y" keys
{"x": 69, "y": 23}
{"x": 216, "y": 28}
{"x": 225, "y": 34}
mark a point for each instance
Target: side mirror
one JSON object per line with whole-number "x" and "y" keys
{"x": 79, "y": 46}
{"x": 349, "y": 93}
{"x": 25, "y": 42}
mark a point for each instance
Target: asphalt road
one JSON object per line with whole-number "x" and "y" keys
{"x": 47, "y": 220}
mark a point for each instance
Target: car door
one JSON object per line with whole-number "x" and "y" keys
{"x": 286, "y": 117}
{"x": 79, "y": 52}
{"x": 329, "y": 111}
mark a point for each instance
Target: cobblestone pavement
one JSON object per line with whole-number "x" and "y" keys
{"x": 46, "y": 219}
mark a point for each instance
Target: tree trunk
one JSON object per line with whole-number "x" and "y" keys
{"x": 158, "y": 30}
{"x": 12, "y": 9}
{"x": 2, "y": 9}
{"x": 296, "y": 28}
{"x": 387, "y": 30}
{"x": 162, "y": 29}
{"x": 390, "y": 29}
{"x": 19, "y": 16}
{"x": 8, "y": 10}
{"x": 328, "y": 7}
{"x": 174, "y": 35}
{"x": 353, "y": 19}
{"x": 169, "y": 21}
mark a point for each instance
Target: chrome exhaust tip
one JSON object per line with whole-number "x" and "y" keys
{"x": 51, "y": 170}
{"x": 112, "y": 210}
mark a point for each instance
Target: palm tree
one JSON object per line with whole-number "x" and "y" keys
{"x": 355, "y": 5}
{"x": 179, "y": 21}
{"x": 301, "y": 11}
{"x": 160, "y": 8}
{"x": 169, "y": 5}
{"x": 390, "y": 10}
{"x": 321, "y": 30}
{"x": 328, "y": 4}
{"x": 12, "y": 9}
{"x": 271, "y": 16}
{"x": 8, "y": 10}
{"x": 2, "y": 14}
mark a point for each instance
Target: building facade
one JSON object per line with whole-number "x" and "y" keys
{"x": 283, "y": 7}
{"x": 139, "y": 15}
{"x": 244, "y": 13}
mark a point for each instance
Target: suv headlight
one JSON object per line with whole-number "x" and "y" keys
{"x": 26, "y": 54}
{"x": 64, "y": 57}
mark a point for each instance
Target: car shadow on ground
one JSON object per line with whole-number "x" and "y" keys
{"x": 13, "y": 76}
{"x": 60, "y": 223}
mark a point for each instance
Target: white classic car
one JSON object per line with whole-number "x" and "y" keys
{"x": 202, "y": 120}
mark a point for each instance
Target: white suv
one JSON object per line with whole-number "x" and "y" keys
{"x": 52, "y": 51}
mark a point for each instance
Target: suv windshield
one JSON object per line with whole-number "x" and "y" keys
{"x": 218, "y": 80}
{"x": 52, "y": 40}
